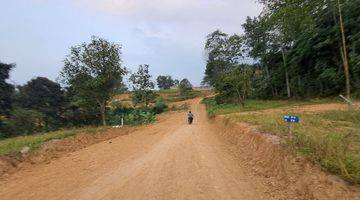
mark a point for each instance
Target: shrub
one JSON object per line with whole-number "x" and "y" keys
{"x": 160, "y": 105}
{"x": 25, "y": 122}
{"x": 131, "y": 116}
{"x": 139, "y": 117}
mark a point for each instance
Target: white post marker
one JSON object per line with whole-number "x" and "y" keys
{"x": 348, "y": 101}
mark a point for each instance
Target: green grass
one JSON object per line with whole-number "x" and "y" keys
{"x": 331, "y": 139}
{"x": 14, "y": 145}
{"x": 173, "y": 95}
{"x": 169, "y": 91}
{"x": 254, "y": 105}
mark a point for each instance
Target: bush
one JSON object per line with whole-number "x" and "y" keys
{"x": 160, "y": 106}
{"x": 185, "y": 87}
{"x": 25, "y": 122}
{"x": 139, "y": 117}
{"x": 131, "y": 116}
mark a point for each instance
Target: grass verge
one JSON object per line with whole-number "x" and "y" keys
{"x": 173, "y": 95}
{"x": 253, "y": 105}
{"x": 14, "y": 145}
{"x": 331, "y": 139}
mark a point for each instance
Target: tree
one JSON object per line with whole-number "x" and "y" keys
{"x": 44, "y": 96}
{"x": 235, "y": 85}
{"x": 165, "y": 82}
{"x": 299, "y": 46}
{"x": 176, "y": 82}
{"x": 142, "y": 86}
{"x": 25, "y": 122}
{"x": 344, "y": 54}
{"x": 94, "y": 70}
{"x": 223, "y": 52}
{"x": 185, "y": 87}
{"x": 5, "y": 88}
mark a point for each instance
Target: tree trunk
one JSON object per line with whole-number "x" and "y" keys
{"x": 344, "y": 53}
{"x": 286, "y": 75}
{"x": 240, "y": 99}
{"x": 102, "y": 112}
{"x": 268, "y": 78}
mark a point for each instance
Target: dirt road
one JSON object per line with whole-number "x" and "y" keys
{"x": 167, "y": 160}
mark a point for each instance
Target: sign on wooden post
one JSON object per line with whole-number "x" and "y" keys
{"x": 290, "y": 120}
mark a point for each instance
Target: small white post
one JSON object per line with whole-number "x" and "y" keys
{"x": 122, "y": 122}
{"x": 348, "y": 101}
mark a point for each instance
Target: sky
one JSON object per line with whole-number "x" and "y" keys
{"x": 169, "y": 35}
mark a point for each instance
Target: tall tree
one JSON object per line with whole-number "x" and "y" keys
{"x": 344, "y": 53}
{"x": 185, "y": 87}
{"x": 223, "y": 52}
{"x": 165, "y": 82}
{"x": 5, "y": 88}
{"x": 142, "y": 86}
{"x": 44, "y": 96}
{"x": 235, "y": 85}
{"x": 94, "y": 70}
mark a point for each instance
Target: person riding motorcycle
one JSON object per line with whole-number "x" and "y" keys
{"x": 190, "y": 117}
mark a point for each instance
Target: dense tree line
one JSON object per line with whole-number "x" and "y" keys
{"x": 92, "y": 74}
{"x": 166, "y": 82}
{"x": 300, "y": 49}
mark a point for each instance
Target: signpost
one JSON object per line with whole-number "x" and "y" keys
{"x": 290, "y": 120}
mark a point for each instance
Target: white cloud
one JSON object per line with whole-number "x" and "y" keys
{"x": 225, "y": 12}
{"x": 173, "y": 31}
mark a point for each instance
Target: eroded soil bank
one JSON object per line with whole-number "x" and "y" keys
{"x": 265, "y": 156}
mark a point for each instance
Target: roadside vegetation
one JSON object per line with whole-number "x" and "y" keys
{"x": 33, "y": 142}
{"x": 214, "y": 108}
{"x": 301, "y": 50}
{"x": 174, "y": 95}
{"x": 331, "y": 139}
{"x": 91, "y": 93}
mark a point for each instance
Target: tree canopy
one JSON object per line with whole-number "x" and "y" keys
{"x": 5, "y": 88}
{"x": 185, "y": 86}
{"x": 44, "y": 96}
{"x": 94, "y": 70}
{"x": 142, "y": 86}
{"x": 165, "y": 82}
{"x": 299, "y": 49}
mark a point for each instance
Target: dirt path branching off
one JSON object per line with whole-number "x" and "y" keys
{"x": 167, "y": 160}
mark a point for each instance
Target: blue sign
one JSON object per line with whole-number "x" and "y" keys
{"x": 291, "y": 119}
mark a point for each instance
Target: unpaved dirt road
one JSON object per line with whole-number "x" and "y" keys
{"x": 167, "y": 160}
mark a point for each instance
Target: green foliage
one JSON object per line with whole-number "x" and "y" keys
{"x": 94, "y": 72}
{"x": 165, "y": 82}
{"x": 296, "y": 46}
{"x": 24, "y": 122}
{"x": 44, "y": 96}
{"x": 234, "y": 86}
{"x": 223, "y": 53}
{"x": 6, "y": 89}
{"x": 136, "y": 116}
{"x": 142, "y": 86}
{"x": 185, "y": 87}
{"x": 140, "y": 117}
{"x": 160, "y": 105}
{"x": 174, "y": 95}
{"x": 213, "y": 108}
{"x": 14, "y": 145}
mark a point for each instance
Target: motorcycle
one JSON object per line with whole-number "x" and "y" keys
{"x": 190, "y": 120}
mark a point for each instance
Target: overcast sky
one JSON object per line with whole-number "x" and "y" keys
{"x": 168, "y": 35}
